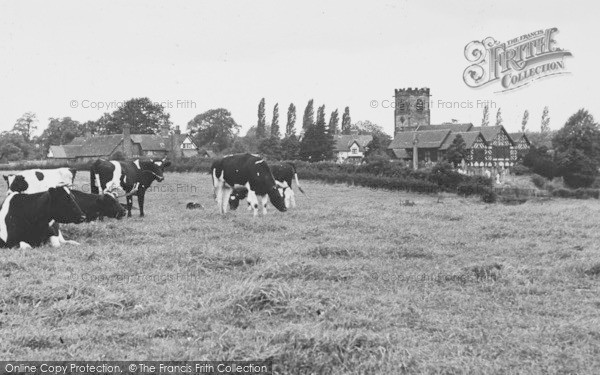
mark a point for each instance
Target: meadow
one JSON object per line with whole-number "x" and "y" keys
{"x": 352, "y": 281}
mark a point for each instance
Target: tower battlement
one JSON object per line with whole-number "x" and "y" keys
{"x": 413, "y": 91}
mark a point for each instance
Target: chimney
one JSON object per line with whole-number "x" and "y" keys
{"x": 127, "y": 141}
{"x": 175, "y": 143}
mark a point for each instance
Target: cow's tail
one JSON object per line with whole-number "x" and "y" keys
{"x": 296, "y": 178}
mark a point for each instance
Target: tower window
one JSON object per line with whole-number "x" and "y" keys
{"x": 419, "y": 105}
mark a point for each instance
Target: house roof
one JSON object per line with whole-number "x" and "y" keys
{"x": 468, "y": 137}
{"x": 455, "y": 127}
{"x": 426, "y": 139}
{"x": 345, "y": 141}
{"x": 489, "y": 132}
{"x": 517, "y": 137}
{"x": 149, "y": 142}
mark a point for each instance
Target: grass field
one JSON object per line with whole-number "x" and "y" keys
{"x": 352, "y": 281}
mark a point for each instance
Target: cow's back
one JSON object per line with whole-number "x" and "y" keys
{"x": 40, "y": 180}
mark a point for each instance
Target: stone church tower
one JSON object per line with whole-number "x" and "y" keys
{"x": 412, "y": 109}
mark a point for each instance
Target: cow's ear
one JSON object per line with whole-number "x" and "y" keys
{"x": 73, "y": 172}
{"x": 5, "y": 178}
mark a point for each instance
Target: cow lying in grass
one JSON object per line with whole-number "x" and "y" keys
{"x": 39, "y": 180}
{"x": 96, "y": 206}
{"x": 28, "y": 220}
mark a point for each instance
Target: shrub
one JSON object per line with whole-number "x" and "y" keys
{"x": 520, "y": 170}
{"x": 467, "y": 189}
{"x": 538, "y": 181}
{"x": 488, "y": 195}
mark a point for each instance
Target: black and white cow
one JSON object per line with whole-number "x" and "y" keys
{"x": 96, "y": 206}
{"x": 250, "y": 171}
{"x": 28, "y": 220}
{"x": 284, "y": 174}
{"x": 39, "y": 180}
{"x": 134, "y": 177}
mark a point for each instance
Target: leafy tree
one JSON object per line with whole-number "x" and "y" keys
{"x": 367, "y": 127}
{"x": 26, "y": 125}
{"x": 540, "y": 162}
{"x": 457, "y": 151}
{"x": 578, "y": 170}
{"x": 308, "y": 119}
{"x": 290, "y": 148}
{"x": 262, "y": 122}
{"x": 13, "y": 146}
{"x": 524, "y": 121}
{"x": 141, "y": 114}
{"x": 580, "y": 132}
{"x": 334, "y": 121}
{"x": 291, "y": 121}
{"x": 60, "y": 132}
{"x": 271, "y": 148}
{"x": 499, "y": 117}
{"x": 346, "y": 121}
{"x": 377, "y": 147}
{"x": 486, "y": 116}
{"x": 316, "y": 144}
{"x": 215, "y": 126}
{"x": 545, "y": 128}
{"x": 275, "y": 122}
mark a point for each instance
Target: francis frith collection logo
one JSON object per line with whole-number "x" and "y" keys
{"x": 514, "y": 63}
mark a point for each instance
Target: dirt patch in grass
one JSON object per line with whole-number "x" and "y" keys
{"x": 230, "y": 262}
{"x": 485, "y": 272}
{"x": 593, "y": 271}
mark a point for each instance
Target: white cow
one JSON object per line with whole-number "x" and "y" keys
{"x": 39, "y": 180}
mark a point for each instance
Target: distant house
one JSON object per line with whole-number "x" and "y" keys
{"x": 89, "y": 147}
{"x": 351, "y": 148}
{"x": 522, "y": 144}
{"x": 489, "y": 146}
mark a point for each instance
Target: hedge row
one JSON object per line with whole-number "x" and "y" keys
{"x": 581, "y": 193}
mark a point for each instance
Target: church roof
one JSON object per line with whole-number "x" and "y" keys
{"x": 455, "y": 127}
{"x": 426, "y": 139}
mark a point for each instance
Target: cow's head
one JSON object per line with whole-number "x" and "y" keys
{"x": 63, "y": 207}
{"x": 153, "y": 169}
{"x": 263, "y": 182}
{"x": 16, "y": 183}
{"x": 237, "y": 195}
{"x": 110, "y": 206}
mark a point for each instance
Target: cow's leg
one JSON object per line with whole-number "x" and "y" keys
{"x": 129, "y": 204}
{"x": 262, "y": 201}
{"x": 292, "y": 198}
{"x": 141, "y": 194}
{"x": 24, "y": 245}
{"x": 226, "y": 191}
{"x": 62, "y": 240}
{"x": 252, "y": 200}
{"x": 54, "y": 241}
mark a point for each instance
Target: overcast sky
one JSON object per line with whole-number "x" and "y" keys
{"x": 231, "y": 54}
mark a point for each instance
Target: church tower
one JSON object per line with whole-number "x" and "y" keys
{"x": 412, "y": 109}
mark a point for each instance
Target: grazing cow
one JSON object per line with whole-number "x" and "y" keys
{"x": 284, "y": 173}
{"x": 39, "y": 180}
{"x": 135, "y": 177}
{"x": 250, "y": 171}
{"x": 238, "y": 194}
{"x": 28, "y": 220}
{"x": 96, "y": 206}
